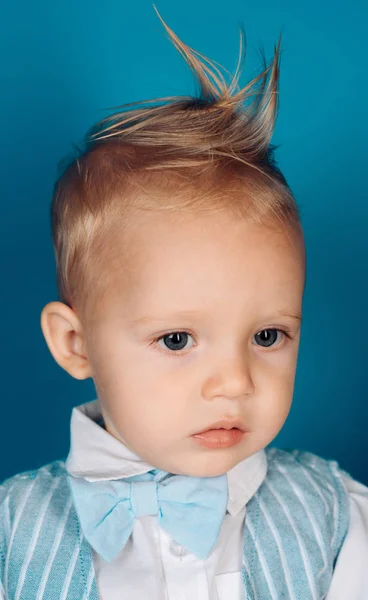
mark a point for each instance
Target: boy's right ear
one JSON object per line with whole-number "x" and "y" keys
{"x": 63, "y": 333}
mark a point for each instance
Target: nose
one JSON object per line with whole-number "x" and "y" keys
{"x": 232, "y": 379}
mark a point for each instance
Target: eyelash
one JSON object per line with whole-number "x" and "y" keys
{"x": 285, "y": 332}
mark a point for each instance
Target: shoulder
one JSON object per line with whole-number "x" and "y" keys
{"x": 307, "y": 464}
{"x": 304, "y": 469}
{"x": 313, "y": 487}
{"x": 38, "y": 521}
{"x": 33, "y": 478}
{"x": 30, "y": 488}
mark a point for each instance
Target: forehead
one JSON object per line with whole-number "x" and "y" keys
{"x": 191, "y": 262}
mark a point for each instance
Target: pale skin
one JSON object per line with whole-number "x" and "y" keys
{"x": 238, "y": 279}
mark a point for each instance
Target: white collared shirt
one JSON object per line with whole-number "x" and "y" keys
{"x": 152, "y": 565}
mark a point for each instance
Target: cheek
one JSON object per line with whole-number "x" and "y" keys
{"x": 276, "y": 370}
{"x": 275, "y": 386}
{"x": 139, "y": 402}
{"x": 274, "y": 414}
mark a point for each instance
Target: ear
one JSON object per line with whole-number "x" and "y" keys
{"x": 63, "y": 333}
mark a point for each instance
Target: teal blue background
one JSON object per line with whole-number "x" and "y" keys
{"x": 63, "y": 64}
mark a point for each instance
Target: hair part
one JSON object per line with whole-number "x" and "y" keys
{"x": 185, "y": 154}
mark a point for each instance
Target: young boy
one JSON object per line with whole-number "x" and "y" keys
{"x": 181, "y": 267}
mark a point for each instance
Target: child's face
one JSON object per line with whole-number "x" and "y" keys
{"x": 233, "y": 279}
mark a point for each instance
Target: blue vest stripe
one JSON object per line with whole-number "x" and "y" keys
{"x": 55, "y": 581}
{"x": 335, "y": 516}
{"x": 334, "y": 492}
{"x": 312, "y": 482}
{"x": 328, "y": 513}
{"x": 90, "y": 582}
{"x": 18, "y": 515}
{"x": 265, "y": 532}
{"x": 66, "y": 591}
{"x": 47, "y": 534}
{"x": 267, "y": 579}
{"x": 337, "y": 510}
{"x": 35, "y": 535}
{"x": 298, "y": 545}
{"x": 6, "y": 515}
{"x": 87, "y": 561}
{"x": 46, "y": 572}
{"x": 299, "y": 494}
{"x": 278, "y": 542}
{"x": 248, "y": 581}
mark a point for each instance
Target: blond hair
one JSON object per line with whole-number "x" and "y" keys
{"x": 202, "y": 153}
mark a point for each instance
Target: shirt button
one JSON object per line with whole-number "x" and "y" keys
{"x": 176, "y": 549}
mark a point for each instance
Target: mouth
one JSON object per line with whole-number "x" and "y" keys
{"x": 220, "y": 437}
{"x": 225, "y": 424}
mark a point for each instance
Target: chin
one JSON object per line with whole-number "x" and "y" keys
{"x": 213, "y": 473}
{"x": 209, "y": 471}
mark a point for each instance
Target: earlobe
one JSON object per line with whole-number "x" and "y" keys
{"x": 63, "y": 333}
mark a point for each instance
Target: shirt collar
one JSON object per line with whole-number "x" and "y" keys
{"x": 96, "y": 455}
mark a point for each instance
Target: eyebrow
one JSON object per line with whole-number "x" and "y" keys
{"x": 194, "y": 313}
{"x": 183, "y": 314}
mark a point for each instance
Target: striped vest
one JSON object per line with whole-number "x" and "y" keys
{"x": 294, "y": 528}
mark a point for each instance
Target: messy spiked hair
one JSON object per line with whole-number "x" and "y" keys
{"x": 195, "y": 154}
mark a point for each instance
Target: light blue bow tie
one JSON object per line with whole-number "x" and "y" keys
{"x": 190, "y": 509}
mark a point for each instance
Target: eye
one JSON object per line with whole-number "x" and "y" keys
{"x": 268, "y": 337}
{"x": 175, "y": 341}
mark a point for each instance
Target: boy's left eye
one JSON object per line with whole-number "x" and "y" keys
{"x": 268, "y": 337}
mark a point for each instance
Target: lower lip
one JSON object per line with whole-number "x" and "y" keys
{"x": 219, "y": 438}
